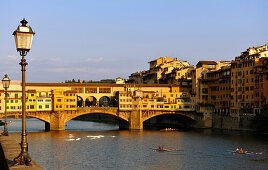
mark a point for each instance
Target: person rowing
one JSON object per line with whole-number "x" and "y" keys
{"x": 237, "y": 150}
{"x": 241, "y": 151}
{"x": 161, "y": 148}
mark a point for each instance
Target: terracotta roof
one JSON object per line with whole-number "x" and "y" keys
{"x": 207, "y": 62}
{"x": 70, "y": 91}
{"x": 31, "y": 91}
{"x": 94, "y": 85}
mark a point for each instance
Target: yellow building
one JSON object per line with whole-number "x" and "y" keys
{"x": 254, "y": 52}
{"x": 44, "y": 101}
{"x": 157, "y": 71}
{"x": 58, "y": 99}
{"x": 177, "y": 99}
{"x": 13, "y": 101}
{"x": 70, "y": 100}
{"x": 31, "y": 100}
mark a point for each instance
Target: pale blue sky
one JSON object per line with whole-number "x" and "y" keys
{"x": 99, "y": 39}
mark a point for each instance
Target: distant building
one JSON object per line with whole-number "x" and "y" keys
{"x": 253, "y": 52}
{"x": 119, "y": 80}
{"x": 158, "y": 71}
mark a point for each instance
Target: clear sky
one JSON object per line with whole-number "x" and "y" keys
{"x": 99, "y": 39}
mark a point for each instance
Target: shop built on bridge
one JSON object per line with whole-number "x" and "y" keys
{"x": 131, "y": 105}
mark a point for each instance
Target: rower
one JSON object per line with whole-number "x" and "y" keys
{"x": 237, "y": 150}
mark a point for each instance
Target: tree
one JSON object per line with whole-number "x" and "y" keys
{"x": 260, "y": 120}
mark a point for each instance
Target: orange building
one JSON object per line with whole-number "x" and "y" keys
{"x": 261, "y": 83}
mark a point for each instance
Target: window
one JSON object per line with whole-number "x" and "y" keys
{"x": 46, "y": 106}
{"x": 104, "y": 90}
{"x": 40, "y": 106}
{"x": 16, "y": 101}
{"x": 11, "y": 101}
{"x": 58, "y": 100}
{"x": 16, "y": 95}
{"x": 31, "y": 106}
{"x": 32, "y": 94}
{"x": 91, "y": 90}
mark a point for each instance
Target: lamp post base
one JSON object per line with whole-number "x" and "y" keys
{"x": 4, "y": 133}
{"x": 23, "y": 159}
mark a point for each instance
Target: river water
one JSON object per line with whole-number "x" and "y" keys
{"x": 89, "y": 145}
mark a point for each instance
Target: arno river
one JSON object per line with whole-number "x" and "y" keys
{"x": 88, "y": 145}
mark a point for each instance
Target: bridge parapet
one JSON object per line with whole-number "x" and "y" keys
{"x": 97, "y": 109}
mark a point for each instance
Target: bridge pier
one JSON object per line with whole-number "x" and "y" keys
{"x": 57, "y": 121}
{"x": 135, "y": 120}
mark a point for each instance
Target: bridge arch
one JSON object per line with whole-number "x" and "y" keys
{"x": 122, "y": 118}
{"x": 43, "y": 116}
{"x": 169, "y": 120}
{"x": 90, "y": 101}
{"x": 104, "y": 101}
{"x": 148, "y": 115}
{"x": 79, "y": 101}
{"x": 112, "y": 115}
{"x": 112, "y": 111}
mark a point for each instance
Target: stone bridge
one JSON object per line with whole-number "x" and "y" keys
{"x": 133, "y": 118}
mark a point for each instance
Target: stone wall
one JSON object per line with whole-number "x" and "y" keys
{"x": 232, "y": 123}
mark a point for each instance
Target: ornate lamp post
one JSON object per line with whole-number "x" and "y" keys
{"x": 23, "y": 38}
{"x": 6, "y": 83}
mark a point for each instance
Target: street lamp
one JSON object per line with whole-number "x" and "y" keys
{"x": 5, "y": 82}
{"x": 23, "y": 38}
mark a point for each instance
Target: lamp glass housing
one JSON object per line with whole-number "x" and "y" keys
{"x": 23, "y": 37}
{"x": 6, "y": 82}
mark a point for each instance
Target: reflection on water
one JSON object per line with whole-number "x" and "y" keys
{"x": 87, "y": 145}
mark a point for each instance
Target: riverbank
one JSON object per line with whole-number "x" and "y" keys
{"x": 10, "y": 149}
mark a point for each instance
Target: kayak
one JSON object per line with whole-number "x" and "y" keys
{"x": 161, "y": 150}
{"x": 246, "y": 153}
